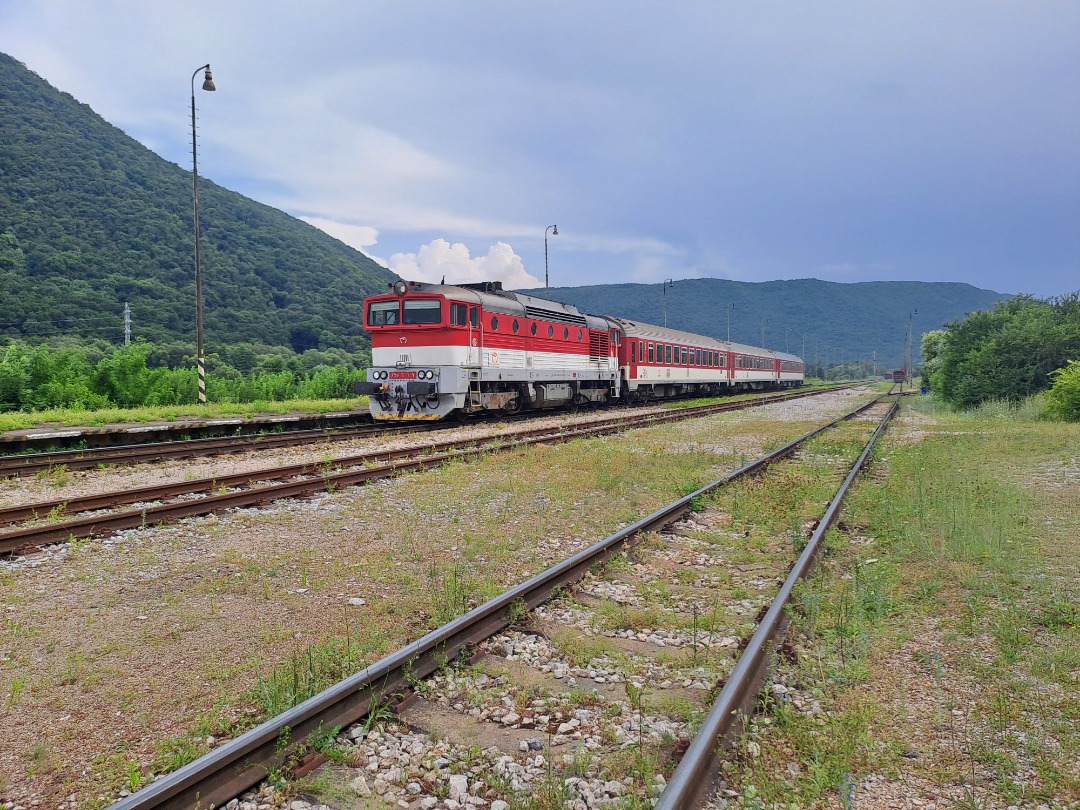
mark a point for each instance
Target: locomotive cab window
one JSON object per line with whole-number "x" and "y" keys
{"x": 383, "y": 313}
{"x": 474, "y": 317}
{"x": 458, "y": 314}
{"x": 421, "y": 311}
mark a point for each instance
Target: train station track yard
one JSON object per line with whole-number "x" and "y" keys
{"x": 929, "y": 665}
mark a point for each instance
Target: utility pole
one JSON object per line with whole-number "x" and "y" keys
{"x": 127, "y": 324}
{"x": 907, "y": 350}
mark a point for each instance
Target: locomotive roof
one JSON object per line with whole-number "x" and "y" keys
{"x": 494, "y": 298}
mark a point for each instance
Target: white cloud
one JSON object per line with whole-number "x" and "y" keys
{"x": 439, "y": 259}
{"x": 360, "y": 237}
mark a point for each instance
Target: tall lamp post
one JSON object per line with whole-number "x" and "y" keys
{"x": 763, "y": 322}
{"x": 554, "y": 232}
{"x": 731, "y": 306}
{"x": 667, "y": 283}
{"x": 208, "y": 84}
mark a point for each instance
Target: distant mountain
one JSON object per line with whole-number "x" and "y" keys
{"x": 804, "y": 316}
{"x": 91, "y": 219}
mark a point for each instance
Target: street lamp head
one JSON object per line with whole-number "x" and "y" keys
{"x": 555, "y": 232}
{"x": 208, "y": 80}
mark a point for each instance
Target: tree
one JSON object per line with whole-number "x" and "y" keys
{"x": 1007, "y": 353}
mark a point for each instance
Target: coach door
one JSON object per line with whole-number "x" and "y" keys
{"x": 476, "y": 338}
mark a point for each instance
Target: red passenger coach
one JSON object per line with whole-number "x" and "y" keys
{"x": 439, "y": 349}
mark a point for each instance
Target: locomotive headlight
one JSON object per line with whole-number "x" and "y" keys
{"x": 400, "y": 287}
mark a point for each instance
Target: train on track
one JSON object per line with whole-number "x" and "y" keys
{"x": 440, "y": 350}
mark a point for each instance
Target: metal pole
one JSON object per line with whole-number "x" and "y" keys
{"x": 731, "y": 307}
{"x": 667, "y": 283}
{"x": 208, "y": 84}
{"x": 554, "y": 232}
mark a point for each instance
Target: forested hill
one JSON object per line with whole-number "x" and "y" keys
{"x": 852, "y": 320}
{"x": 91, "y": 219}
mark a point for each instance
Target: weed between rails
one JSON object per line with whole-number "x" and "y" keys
{"x": 947, "y": 597}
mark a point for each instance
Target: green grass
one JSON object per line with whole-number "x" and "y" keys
{"x": 19, "y": 420}
{"x": 969, "y": 529}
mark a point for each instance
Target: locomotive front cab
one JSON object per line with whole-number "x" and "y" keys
{"x": 414, "y": 370}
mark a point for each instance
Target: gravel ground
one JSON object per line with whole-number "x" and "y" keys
{"x": 110, "y": 647}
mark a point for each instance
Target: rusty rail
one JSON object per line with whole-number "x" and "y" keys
{"x": 225, "y": 772}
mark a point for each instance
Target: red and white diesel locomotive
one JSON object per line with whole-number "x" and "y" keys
{"x": 440, "y": 349}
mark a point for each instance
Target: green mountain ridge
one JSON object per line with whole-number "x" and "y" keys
{"x": 822, "y": 321}
{"x": 90, "y": 220}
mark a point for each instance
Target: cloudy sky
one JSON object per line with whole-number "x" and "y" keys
{"x": 846, "y": 141}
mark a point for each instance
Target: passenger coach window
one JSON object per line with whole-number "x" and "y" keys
{"x": 685, "y": 362}
{"x": 383, "y": 313}
{"x": 667, "y": 354}
{"x": 421, "y": 311}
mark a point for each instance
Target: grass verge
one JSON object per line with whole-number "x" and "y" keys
{"x": 938, "y": 656}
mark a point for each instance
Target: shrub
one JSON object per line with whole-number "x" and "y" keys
{"x": 1063, "y": 399}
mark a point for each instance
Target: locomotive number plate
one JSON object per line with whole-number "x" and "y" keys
{"x": 402, "y": 375}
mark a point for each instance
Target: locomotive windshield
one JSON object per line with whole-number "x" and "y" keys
{"x": 383, "y": 313}
{"x": 422, "y": 311}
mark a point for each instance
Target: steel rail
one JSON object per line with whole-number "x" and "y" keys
{"x": 141, "y": 453}
{"x": 690, "y": 784}
{"x": 158, "y": 451}
{"x": 317, "y": 477}
{"x": 227, "y": 771}
{"x": 16, "y": 442}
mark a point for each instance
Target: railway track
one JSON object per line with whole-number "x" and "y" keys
{"x": 544, "y": 691}
{"x": 148, "y": 452}
{"x": 89, "y": 459}
{"x": 90, "y": 438}
{"x": 171, "y": 502}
